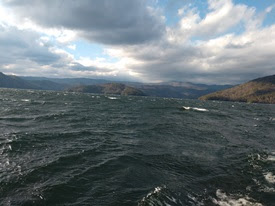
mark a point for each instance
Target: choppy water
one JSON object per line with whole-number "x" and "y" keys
{"x": 83, "y": 149}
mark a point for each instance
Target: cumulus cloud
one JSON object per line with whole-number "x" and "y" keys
{"x": 219, "y": 57}
{"x": 23, "y": 46}
{"x": 222, "y": 17}
{"x": 27, "y": 53}
{"x": 104, "y": 21}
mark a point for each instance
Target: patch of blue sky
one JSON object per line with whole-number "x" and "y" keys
{"x": 171, "y": 8}
{"x": 270, "y": 18}
{"x": 236, "y": 30}
{"x": 90, "y": 50}
{"x": 260, "y": 7}
{"x": 85, "y": 49}
{"x": 258, "y": 4}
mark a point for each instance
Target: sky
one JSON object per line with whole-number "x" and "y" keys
{"x": 199, "y": 41}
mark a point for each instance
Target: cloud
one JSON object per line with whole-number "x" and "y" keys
{"x": 23, "y": 46}
{"x": 220, "y": 57}
{"x": 103, "y": 21}
{"x": 27, "y": 53}
{"x": 72, "y": 46}
{"x": 226, "y": 45}
{"x": 222, "y": 16}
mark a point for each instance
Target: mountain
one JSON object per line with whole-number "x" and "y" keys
{"x": 110, "y": 88}
{"x": 179, "y": 89}
{"x": 69, "y": 81}
{"x": 261, "y": 90}
{"x": 49, "y": 85}
{"x": 185, "y": 90}
{"x": 174, "y": 89}
{"x": 10, "y": 81}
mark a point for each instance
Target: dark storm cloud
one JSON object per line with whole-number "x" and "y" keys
{"x": 104, "y": 21}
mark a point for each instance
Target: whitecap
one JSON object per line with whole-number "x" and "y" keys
{"x": 112, "y": 98}
{"x": 270, "y": 158}
{"x": 159, "y": 196}
{"x": 224, "y": 200}
{"x": 269, "y": 177}
{"x": 195, "y": 200}
{"x": 25, "y": 100}
{"x": 200, "y": 109}
{"x": 195, "y": 108}
{"x": 267, "y": 189}
{"x": 156, "y": 190}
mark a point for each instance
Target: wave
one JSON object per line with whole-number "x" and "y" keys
{"x": 112, "y": 98}
{"x": 271, "y": 157}
{"x": 25, "y": 100}
{"x": 159, "y": 196}
{"x": 229, "y": 200}
{"x": 195, "y": 109}
{"x": 269, "y": 177}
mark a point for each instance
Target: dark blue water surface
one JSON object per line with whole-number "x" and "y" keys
{"x": 87, "y": 149}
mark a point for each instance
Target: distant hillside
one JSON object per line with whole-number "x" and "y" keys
{"x": 48, "y": 85}
{"x": 179, "y": 89}
{"x": 69, "y": 81}
{"x": 110, "y": 88}
{"x": 10, "y": 81}
{"x": 7, "y": 81}
{"x": 260, "y": 90}
{"x": 175, "y": 89}
{"x": 182, "y": 90}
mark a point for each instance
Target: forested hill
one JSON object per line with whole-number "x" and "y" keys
{"x": 261, "y": 90}
{"x": 9, "y": 81}
{"x": 111, "y": 88}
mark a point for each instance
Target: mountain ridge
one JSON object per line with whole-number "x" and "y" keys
{"x": 109, "y": 88}
{"x": 260, "y": 90}
{"x": 11, "y": 81}
{"x": 173, "y": 89}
